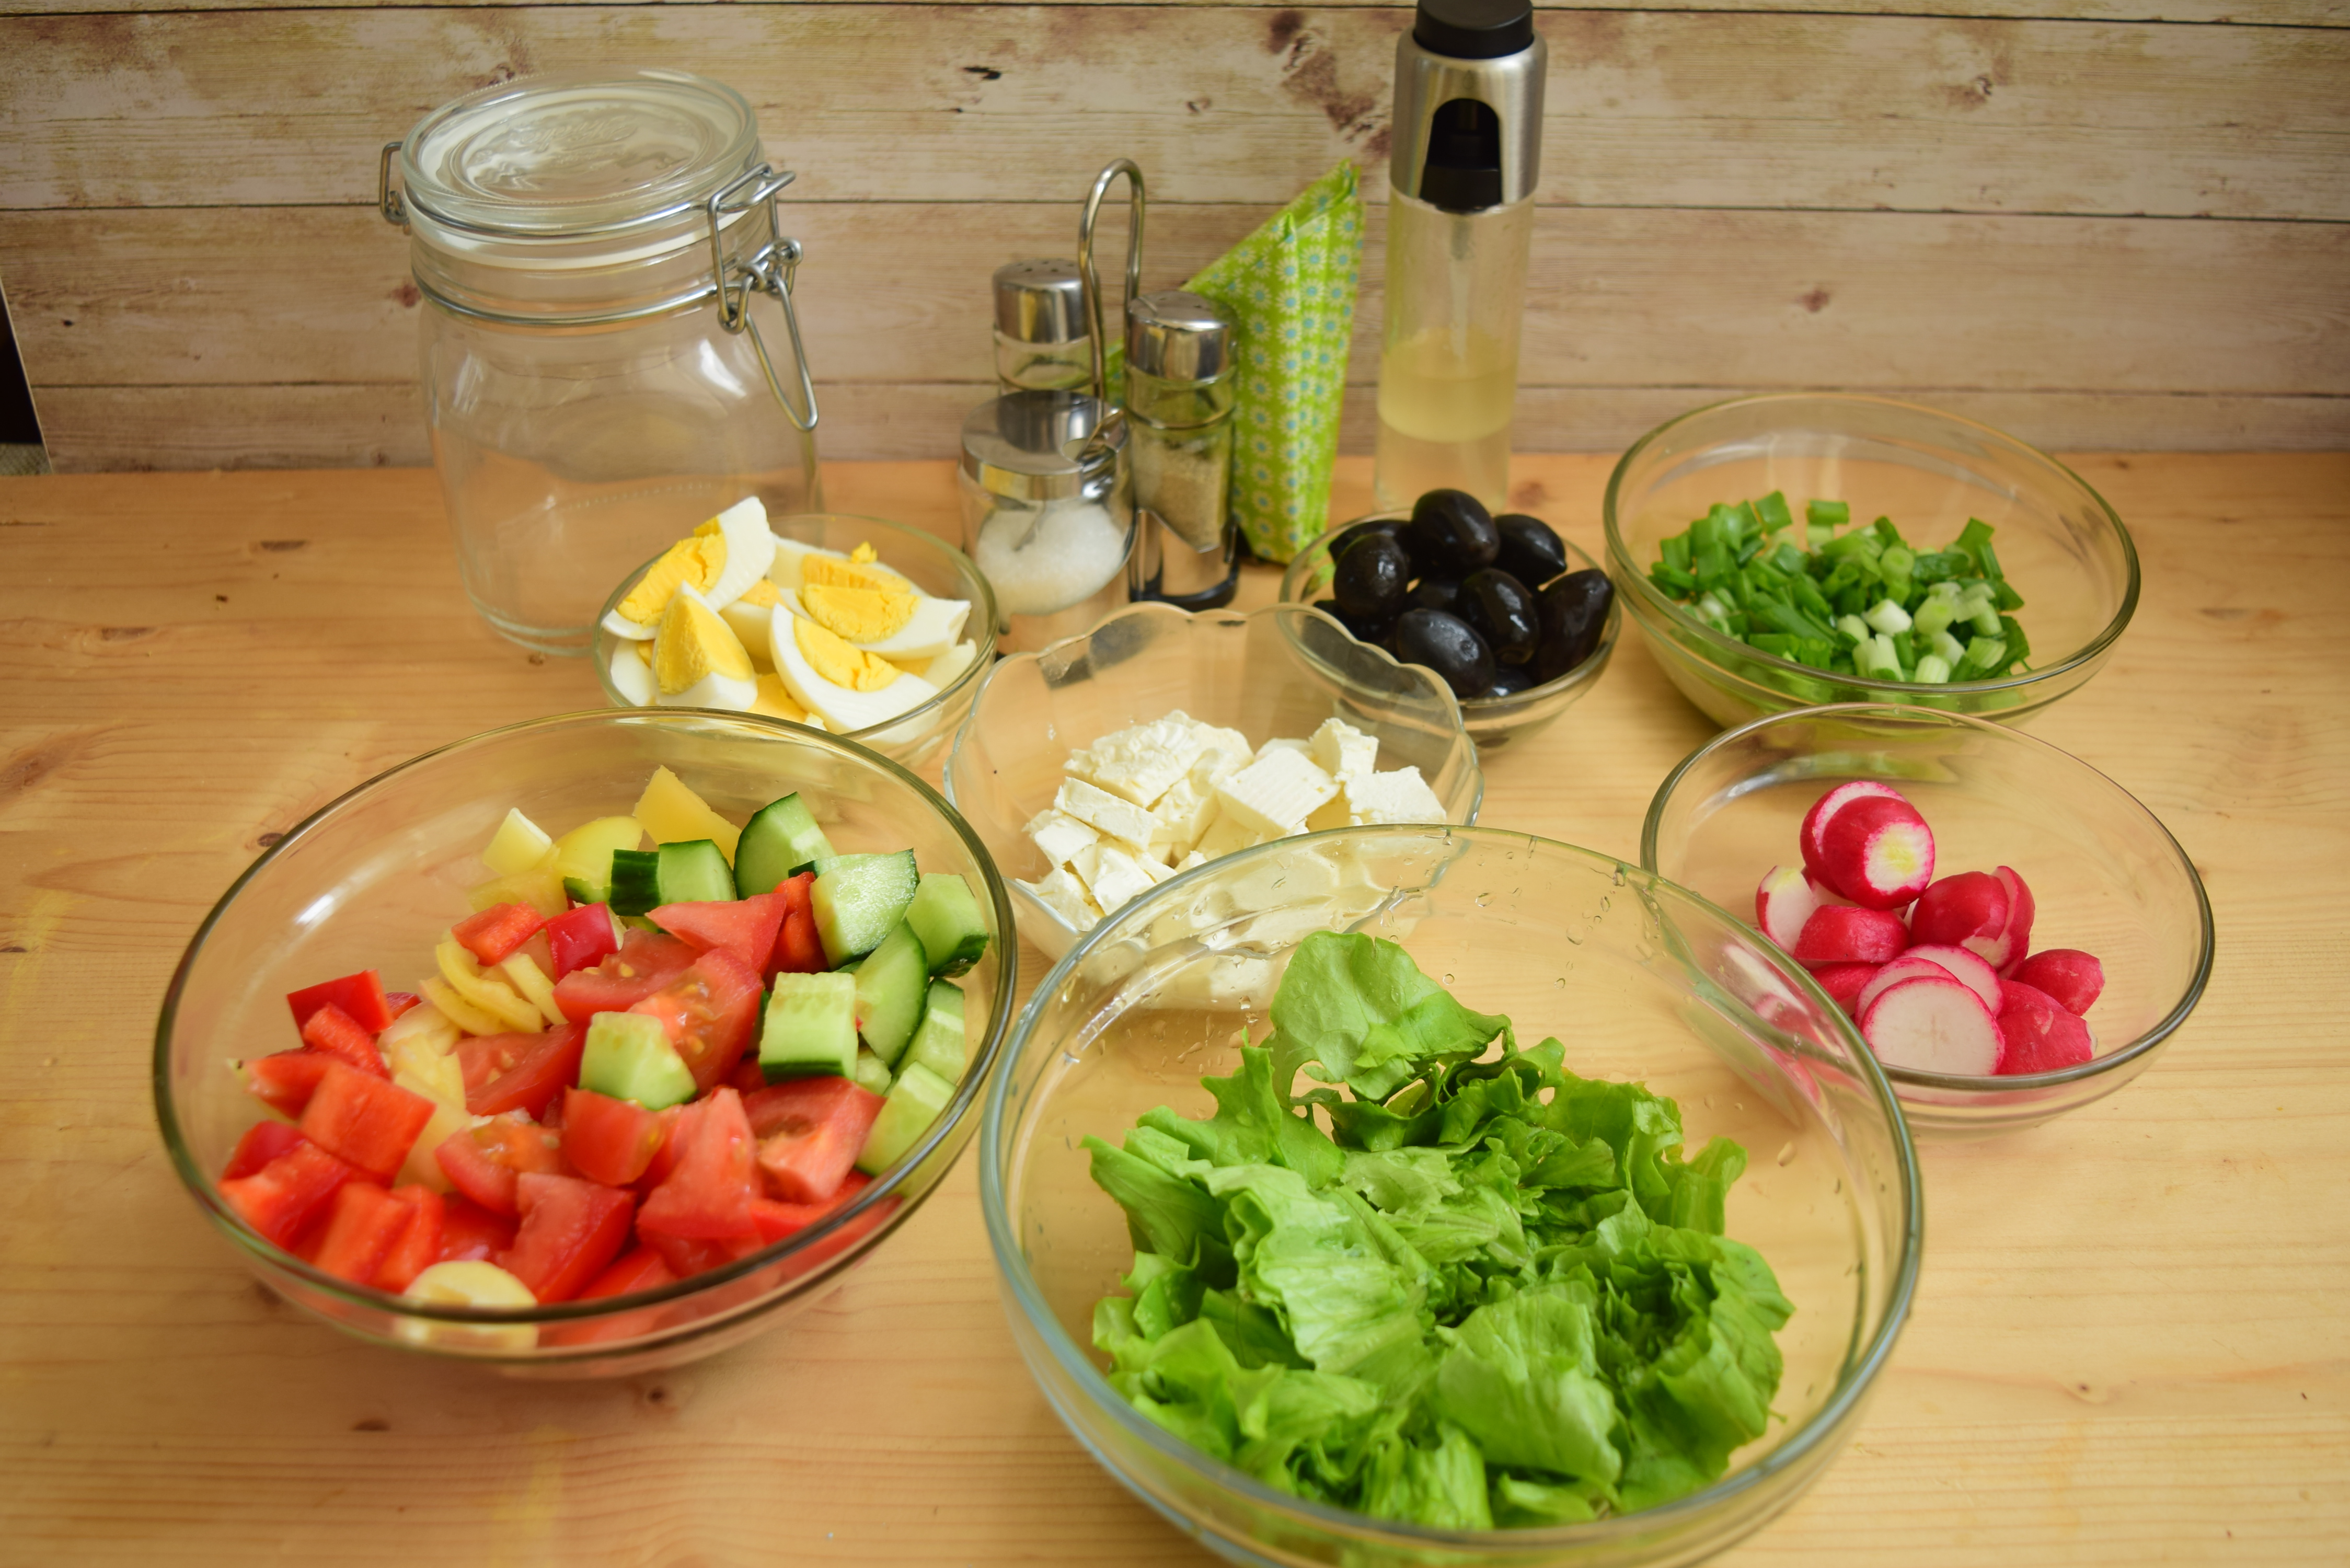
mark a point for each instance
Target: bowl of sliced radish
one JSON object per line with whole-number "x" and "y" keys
{"x": 2014, "y": 933}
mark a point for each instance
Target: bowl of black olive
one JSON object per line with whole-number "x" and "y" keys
{"x": 1515, "y": 620}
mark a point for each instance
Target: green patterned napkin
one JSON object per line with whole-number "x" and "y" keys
{"x": 1290, "y": 289}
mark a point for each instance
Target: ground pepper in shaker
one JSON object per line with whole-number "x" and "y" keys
{"x": 1178, "y": 400}
{"x": 1041, "y": 342}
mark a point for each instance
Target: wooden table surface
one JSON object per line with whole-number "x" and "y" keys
{"x": 2131, "y": 1344}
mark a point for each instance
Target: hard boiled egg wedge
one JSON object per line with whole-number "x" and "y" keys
{"x": 879, "y": 611}
{"x": 720, "y": 560}
{"x": 785, "y": 570}
{"x": 750, "y": 550}
{"x": 847, "y": 687}
{"x": 632, "y": 677}
{"x": 697, "y": 661}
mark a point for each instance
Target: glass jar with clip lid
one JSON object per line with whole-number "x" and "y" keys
{"x": 588, "y": 247}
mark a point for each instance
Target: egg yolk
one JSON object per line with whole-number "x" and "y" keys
{"x": 695, "y": 562}
{"x": 860, "y": 615}
{"x": 833, "y": 659}
{"x": 776, "y": 701}
{"x": 693, "y": 642}
{"x": 832, "y": 572}
{"x": 761, "y": 593}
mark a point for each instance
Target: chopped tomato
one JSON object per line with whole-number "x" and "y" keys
{"x": 778, "y": 1219}
{"x": 710, "y": 1012}
{"x": 360, "y": 996}
{"x": 743, "y": 927}
{"x": 798, "y": 951}
{"x": 646, "y": 962}
{"x": 520, "y": 1071}
{"x": 397, "y": 1002}
{"x": 581, "y": 938}
{"x": 608, "y": 1141}
{"x": 365, "y": 1223}
{"x": 262, "y": 1142}
{"x": 477, "y": 1176}
{"x": 664, "y": 1158}
{"x": 497, "y": 931}
{"x": 280, "y": 1198}
{"x": 810, "y": 1131}
{"x": 640, "y": 1269}
{"x": 418, "y": 1245}
{"x": 571, "y": 1230}
{"x": 370, "y": 1122}
{"x": 690, "y": 1255}
{"x": 338, "y": 1034}
{"x": 708, "y": 1195}
{"x": 468, "y": 1232}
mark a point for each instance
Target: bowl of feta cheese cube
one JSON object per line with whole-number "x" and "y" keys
{"x": 1102, "y": 767}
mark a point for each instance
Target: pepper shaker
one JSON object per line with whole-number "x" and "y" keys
{"x": 1179, "y": 392}
{"x": 1042, "y": 341}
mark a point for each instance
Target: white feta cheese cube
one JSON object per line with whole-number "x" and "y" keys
{"x": 1105, "y": 813}
{"x": 1331, "y": 813}
{"x": 1400, "y": 794}
{"x": 1111, "y": 875}
{"x": 1275, "y": 794}
{"x": 1340, "y": 749}
{"x": 1287, "y": 743}
{"x": 1218, "y": 763}
{"x": 1194, "y": 858}
{"x": 1214, "y": 738}
{"x": 1184, "y": 813}
{"x": 1067, "y": 898}
{"x": 1224, "y": 835}
{"x": 1138, "y": 764}
{"x": 1058, "y": 834}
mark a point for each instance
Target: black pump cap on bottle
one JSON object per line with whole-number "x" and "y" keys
{"x": 1473, "y": 29}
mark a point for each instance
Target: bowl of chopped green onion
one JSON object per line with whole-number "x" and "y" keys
{"x": 1799, "y": 548}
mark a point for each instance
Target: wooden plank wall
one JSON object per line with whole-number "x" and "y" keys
{"x": 2100, "y": 224}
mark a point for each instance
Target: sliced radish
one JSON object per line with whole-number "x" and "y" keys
{"x": 1821, "y": 891}
{"x": 1845, "y": 982}
{"x": 1841, "y": 933}
{"x": 1812, "y": 836}
{"x": 2071, "y": 978}
{"x": 1963, "y": 965}
{"x": 1933, "y": 1026}
{"x": 1879, "y": 853}
{"x": 1962, "y": 911}
{"x": 2020, "y": 910}
{"x": 1909, "y": 966}
{"x": 1783, "y": 902}
{"x": 2040, "y": 1035}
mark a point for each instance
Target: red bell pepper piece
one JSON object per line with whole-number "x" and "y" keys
{"x": 708, "y": 1195}
{"x": 370, "y": 1122}
{"x": 571, "y": 1230}
{"x": 641, "y": 1270}
{"x": 608, "y": 1141}
{"x": 285, "y": 1080}
{"x": 497, "y": 931}
{"x": 360, "y": 996}
{"x": 397, "y": 1002}
{"x": 418, "y": 1247}
{"x": 280, "y": 1198}
{"x": 581, "y": 938}
{"x": 810, "y": 1131}
{"x": 743, "y": 927}
{"x": 468, "y": 1232}
{"x": 365, "y": 1223}
{"x": 520, "y": 1071}
{"x": 338, "y": 1034}
{"x": 262, "y": 1142}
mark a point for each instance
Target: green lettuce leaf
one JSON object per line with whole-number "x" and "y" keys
{"x": 1361, "y": 1009}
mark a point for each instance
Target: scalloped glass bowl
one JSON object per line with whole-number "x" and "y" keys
{"x": 2106, "y": 876}
{"x": 1640, "y": 979}
{"x": 2058, "y": 542}
{"x": 1278, "y": 671}
{"x": 1491, "y": 722}
{"x": 919, "y": 738}
{"x": 370, "y": 880}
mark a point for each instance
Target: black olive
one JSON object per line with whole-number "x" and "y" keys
{"x": 1450, "y": 533}
{"x": 1434, "y": 593}
{"x": 1445, "y": 644}
{"x": 1530, "y": 551}
{"x": 1508, "y": 680}
{"x": 1499, "y": 609}
{"x": 1389, "y": 528}
{"x": 1370, "y": 579}
{"x": 1574, "y": 613}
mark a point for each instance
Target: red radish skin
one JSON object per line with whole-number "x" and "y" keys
{"x": 2041, "y": 1036}
{"x": 1979, "y": 976}
{"x": 1879, "y": 853}
{"x": 1933, "y": 1026}
{"x": 1783, "y": 904}
{"x": 2071, "y": 978}
{"x": 2020, "y": 910}
{"x": 1845, "y": 982}
{"x": 1812, "y": 836}
{"x": 1909, "y": 966}
{"x": 1960, "y": 910}
{"x": 1843, "y": 934}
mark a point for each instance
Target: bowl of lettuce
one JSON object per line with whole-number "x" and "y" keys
{"x": 1411, "y": 1195}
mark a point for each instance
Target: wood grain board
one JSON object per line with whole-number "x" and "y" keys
{"x": 2099, "y": 216}
{"x": 2129, "y": 1345}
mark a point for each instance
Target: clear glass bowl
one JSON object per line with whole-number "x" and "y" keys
{"x": 372, "y": 879}
{"x": 1493, "y": 723}
{"x": 2106, "y": 877}
{"x": 917, "y": 738}
{"x": 1278, "y": 671}
{"x": 2058, "y": 542}
{"x": 1642, "y": 979}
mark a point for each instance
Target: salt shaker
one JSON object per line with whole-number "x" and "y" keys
{"x": 1047, "y": 511}
{"x": 1041, "y": 342}
{"x": 1179, "y": 403}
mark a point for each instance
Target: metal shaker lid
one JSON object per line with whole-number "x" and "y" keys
{"x": 1176, "y": 336}
{"x": 1040, "y": 301}
{"x": 1042, "y": 446}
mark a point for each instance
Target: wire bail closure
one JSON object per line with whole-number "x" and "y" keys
{"x": 1090, "y": 280}
{"x": 769, "y": 271}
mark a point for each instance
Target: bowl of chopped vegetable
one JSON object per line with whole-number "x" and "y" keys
{"x": 617, "y": 1115}
{"x": 2035, "y": 879}
{"x": 1800, "y": 548}
{"x": 1556, "y": 1217}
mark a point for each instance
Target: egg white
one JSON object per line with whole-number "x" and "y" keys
{"x": 935, "y": 626}
{"x": 712, "y": 690}
{"x": 842, "y": 710}
{"x": 749, "y": 551}
{"x": 632, "y": 678}
{"x": 783, "y": 571}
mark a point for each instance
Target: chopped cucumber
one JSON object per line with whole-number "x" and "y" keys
{"x": 695, "y": 871}
{"x": 628, "y": 1057}
{"x": 914, "y": 1102}
{"x": 780, "y": 838}
{"x": 938, "y": 1044}
{"x": 810, "y": 1027}
{"x": 859, "y": 899}
{"x": 891, "y": 985}
{"x": 636, "y": 881}
{"x": 870, "y": 1070}
{"x": 945, "y": 917}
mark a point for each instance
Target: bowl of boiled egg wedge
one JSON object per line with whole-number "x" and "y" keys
{"x": 861, "y": 628}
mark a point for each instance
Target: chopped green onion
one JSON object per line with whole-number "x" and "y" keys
{"x": 1933, "y": 669}
{"x": 1887, "y": 615}
{"x": 1828, "y": 513}
{"x": 1853, "y": 627}
{"x": 1945, "y": 647}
